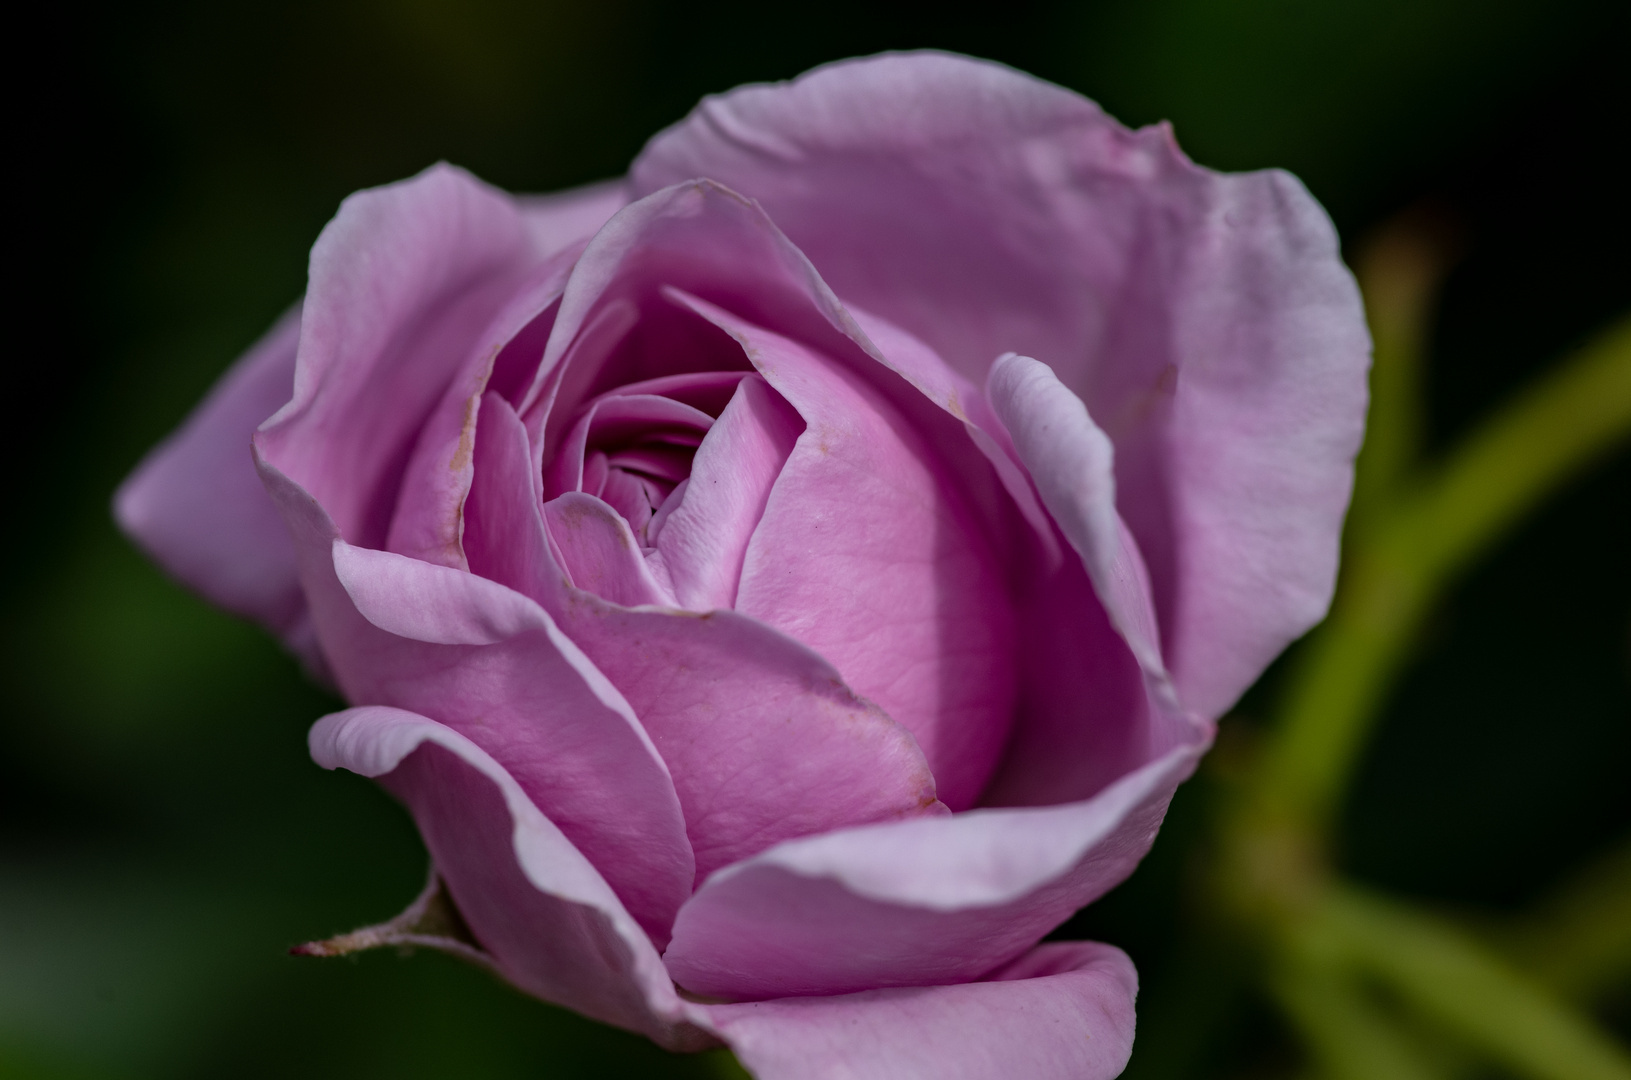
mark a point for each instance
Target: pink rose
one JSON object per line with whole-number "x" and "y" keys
{"x": 768, "y": 649}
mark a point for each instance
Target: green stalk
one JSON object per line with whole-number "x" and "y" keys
{"x": 1450, "y": 978}
{"x": 1578, "y": 941}
{"x": 1346, "y": 1035}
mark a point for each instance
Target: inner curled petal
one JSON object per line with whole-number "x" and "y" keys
{"x": 631, "y": 450}
{"x": 687, "y": 462}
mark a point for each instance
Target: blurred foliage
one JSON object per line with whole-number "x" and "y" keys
{"x": 164, "y": 839}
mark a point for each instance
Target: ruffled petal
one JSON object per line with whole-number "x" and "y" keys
{"x": 492, "y": 665}
{"x": 1206, "y": 320}
{"x": 1064, "y": 1011}
{"x": 197, "y": 507}
{"x": 541, "y": 911}
{"x": 916, "y": 903}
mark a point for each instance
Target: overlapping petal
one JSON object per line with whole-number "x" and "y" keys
{"x": 599, "y": 552}
{"x": 542, "y": 911}
{"x": 491, "y": 664}
{"x": 647, "y": 555}
{"x": 867, "y": 553}
{"x": 916, "y": 903}
{"x": 554, "y": 928}
{"x": 565, "y": 219}
{"x": 1071, "y": 462}
{"x": 403, "y": 281}
{"x": 1088, "y": 712}
{"x": 1206, "y": 320}
{"x": 704, "y": 538}
{"x": 427, "y": 520}
{"x": 763, "y": 738}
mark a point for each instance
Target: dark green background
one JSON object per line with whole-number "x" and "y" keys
{"x": 163, "y": 837}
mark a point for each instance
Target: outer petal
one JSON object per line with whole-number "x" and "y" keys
{"x": 403, "y": 283}
{"x": 491, "y": 664}
{"x": 915, "y": 903}
{"x": 196, "y": 505}
{"x": 1064, "y": 1011}
{"x": 764, "y": 739}
{"x": 959, "y": 199}
{"x": 546, "y": 916}
{"x": 1206, "y": 320}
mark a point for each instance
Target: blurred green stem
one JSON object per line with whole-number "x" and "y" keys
{"x": 1578, "y": 941}
{"x": 1348, "y": 1037}
{"x": 1407, "y": 554}
{"x": 1446, "y": 976}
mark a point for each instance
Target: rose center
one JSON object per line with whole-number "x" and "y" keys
{"x": 638, "y": 477}
{"x": 633, "y": 447}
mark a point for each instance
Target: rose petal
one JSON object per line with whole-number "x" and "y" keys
{"x": 196, "y": 505}
{"x": 564, "y": 219}
{"x": 915, "y": 903}
{"x": 695, "y": 236}
{"x": 1072, "y": 464}
{"x": 705, "y": 391}
{"x": 1272, "y": 354}
{"x": 944, "y": 386}
{"x": 1088, "y": 713}
{"x": 763, "y": 738}
{"x": 1206, "y": 320}
{"x": 630, "y": 413}
{"x": 1083, "y": 718}
{"x": 866, "y": 165}
{"x": 631, "y": 498}
{"x": 602, "y": 555}
{"x": 704, "y": 539}
{"x": 867, "y": 554}
{"x": 1064, "y": 1011}
{"x": 427, "y": 522}
{"x": 404, "y": 281}
{"x": 705, "y": 240}
{"x": 539, "y": 908}
{"x": 491, "y": 664}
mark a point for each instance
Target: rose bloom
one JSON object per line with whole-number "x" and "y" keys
{"x": 787, "y": 583}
